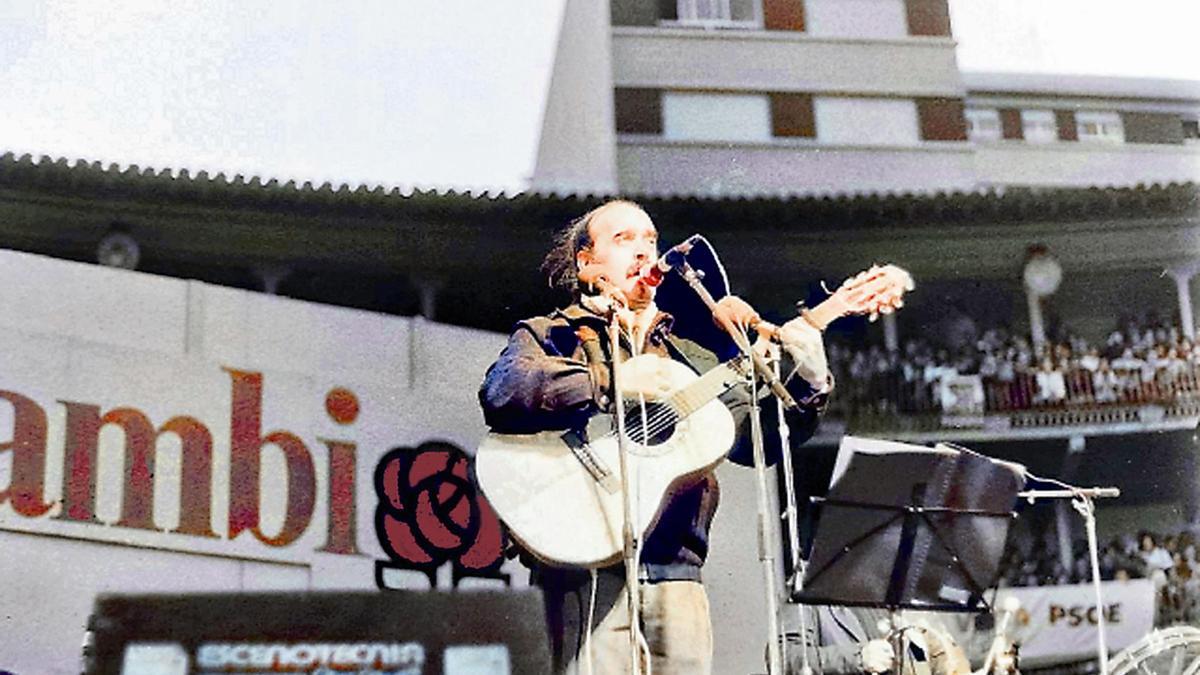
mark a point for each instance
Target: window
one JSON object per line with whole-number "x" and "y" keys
{"x": 866, "y": 121}
{"x": 857, "y": 18}
{"x": 1099, "y": 127}
{"x": 703, "y": 116}
{"x": 1039, "y": 126}
{"x": 1191, "y": 131}
{"x": 718, "y": 13}
{"x": 1152, "y": 127}
{"x": 983, "y": 124}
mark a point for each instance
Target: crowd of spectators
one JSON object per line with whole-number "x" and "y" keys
{"x": 1140, "y": 363}
{"x": 1170, "y": 561}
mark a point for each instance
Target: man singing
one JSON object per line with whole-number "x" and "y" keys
{"x": 554, "y": 374}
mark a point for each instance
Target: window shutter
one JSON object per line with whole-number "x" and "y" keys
{"x": 1010, "y": 124}
{"x": 942, "y": 119}
{"x": 1065, "y": 121}
{"x": 928, "y": 17}
{"x": 783, "y": 14}
{"x": 638, "y": 111}
{"x": 792, "y": 116}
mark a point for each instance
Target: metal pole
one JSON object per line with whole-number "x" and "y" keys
{"x": 629, "y": 534}
{"x": 1083, "y": 504}
{"x": 765, "y": 534}
{"x": 1188, "y": 324}
{"x": 1037, "y": 327}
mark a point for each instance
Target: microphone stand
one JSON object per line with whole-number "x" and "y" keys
{"x": 628, "y": 531}
{"x": 1082, "y": 500}
{"x": 765, "y": 518}
{"x": 791, "y": 517}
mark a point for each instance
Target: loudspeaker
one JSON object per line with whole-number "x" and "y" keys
{"x": 397, "y": 632}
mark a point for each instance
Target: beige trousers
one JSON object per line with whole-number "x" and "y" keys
{"x": 674, "y": 620}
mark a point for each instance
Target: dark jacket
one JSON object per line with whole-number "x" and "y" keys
{"x": 554, "y": 374}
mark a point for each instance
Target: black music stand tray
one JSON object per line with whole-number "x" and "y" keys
{"x": 907, "y": 526}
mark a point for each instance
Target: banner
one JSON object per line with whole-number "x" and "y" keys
{"x": 962, "y": 400}
{"x": 1059, "y": 624}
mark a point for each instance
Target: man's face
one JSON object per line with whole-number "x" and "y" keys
{"x": 624, "y": 241}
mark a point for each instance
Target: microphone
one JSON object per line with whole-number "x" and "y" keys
{"x": 653, "y": 274}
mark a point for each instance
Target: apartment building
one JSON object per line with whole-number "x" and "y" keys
{"x": 787, "y": 97}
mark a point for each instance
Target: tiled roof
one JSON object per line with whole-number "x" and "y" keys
{"x": 96, "y": 181}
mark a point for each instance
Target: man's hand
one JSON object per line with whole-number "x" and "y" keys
{"x": 804, "y": 344}
{"x": 877, "y": 656}
{"x": 735, "y": 315}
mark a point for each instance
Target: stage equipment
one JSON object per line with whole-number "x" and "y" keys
{"x": 1170, "y": 651}
{"x": 432, "y": 633}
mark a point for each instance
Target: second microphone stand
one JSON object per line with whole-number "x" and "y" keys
{"x": 765, "y": 518}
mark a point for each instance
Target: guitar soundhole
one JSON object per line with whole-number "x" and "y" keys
{"x": 659, "y": 419}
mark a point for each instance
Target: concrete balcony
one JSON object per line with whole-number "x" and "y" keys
{"x": 1077, "y": 164}
{"x": 654, "y": 166}
{"x": 755, "y": 60}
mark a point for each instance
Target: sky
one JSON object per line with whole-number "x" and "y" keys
{"x": 409, "y": 93}
{"x": 1146, "y": 38}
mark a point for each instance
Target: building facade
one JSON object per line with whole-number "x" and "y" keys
{"x": 789, "y": 97}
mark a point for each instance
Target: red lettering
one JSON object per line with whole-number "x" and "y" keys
{"x": 137, "y": 495}
{"x": 245, "y": 448}
{"x": 342, "y": 533}
{"x": 26, "y": 489}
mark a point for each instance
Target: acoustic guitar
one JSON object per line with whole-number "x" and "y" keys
{"x": 559, "y": 492}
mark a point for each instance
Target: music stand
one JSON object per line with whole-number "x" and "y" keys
{"x": 907, "y": 526}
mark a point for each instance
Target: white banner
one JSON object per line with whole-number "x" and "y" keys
{"x": 962, "y": 397}
{"x": 1059, "y": 624}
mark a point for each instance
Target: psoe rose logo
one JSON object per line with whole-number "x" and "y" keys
{"x": 430, "y": 514}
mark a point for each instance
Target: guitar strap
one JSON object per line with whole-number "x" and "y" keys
{"x": 593, "y": 354}
{"x": 677, "y": 353}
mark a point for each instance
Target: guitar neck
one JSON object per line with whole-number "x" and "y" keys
{"x": 709, "y": 386}
{"x": 827, "y": 312}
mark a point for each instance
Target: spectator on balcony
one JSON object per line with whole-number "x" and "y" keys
{"x": 1051, "y": 387}
{"x": 1106, "y": 384}
{"x": 1127, "y": 361}
{"x": 1090, "y": 361}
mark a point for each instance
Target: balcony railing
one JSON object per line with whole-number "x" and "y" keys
{"x": 1077, "y": 396}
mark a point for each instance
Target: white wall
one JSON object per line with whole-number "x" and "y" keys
{"x": 707, "y": 116}
{"x": 789, "y": 167}
{"x": 81, "y": 333}
{"x": 1085, "y": 164}
{"x": 866, "y": 121}
{"x": 856, "y": 18}
{"x": 719, "y": 60}
{"x": 74, "y": 332}
{"x": 575, "y": 151}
